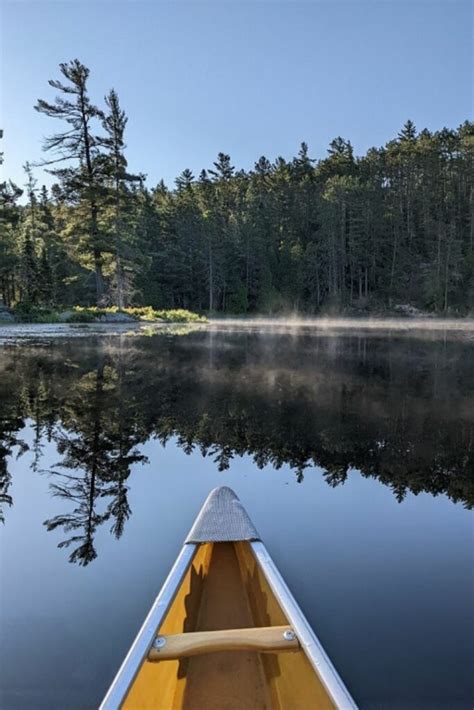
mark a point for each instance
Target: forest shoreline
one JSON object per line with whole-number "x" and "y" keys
{"x": 85, "y": 315}
{"x": 55, "y": 314}
{"x": 339, "y": 233}
{"x": 93, "y": 314}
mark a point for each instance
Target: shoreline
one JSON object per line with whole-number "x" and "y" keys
{"x": 346, "y": 323}
{"x": 11, "y": 332}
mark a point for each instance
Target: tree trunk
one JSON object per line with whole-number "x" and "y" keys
{"x": 318, "y": 294}
{"x": 446, "y": 279}
{"x": 211, "y": 279}
{"x": 99, "y": 279}
{"x": 118, "y": 243}
{"x": 392, "y": 272}
{"x": 119, "y": 277}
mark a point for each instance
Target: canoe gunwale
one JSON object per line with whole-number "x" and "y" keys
{"x": 140, "y": 647}
{"x": 310, "y": 643}
{"x": 223, "y": 505}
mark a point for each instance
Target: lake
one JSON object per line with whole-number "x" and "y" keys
{"x": 352, "y": 450}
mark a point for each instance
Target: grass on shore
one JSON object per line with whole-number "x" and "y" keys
{"x": 140, "y": 313}
{"x": 24, "y": 313}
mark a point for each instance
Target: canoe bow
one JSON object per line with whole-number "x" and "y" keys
{"x": 223, "y": 545}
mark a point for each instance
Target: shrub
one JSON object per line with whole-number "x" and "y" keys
{"x": 180, "y": 315}
{"x": 82, "y": 316}
{"x": 28, "y": 313}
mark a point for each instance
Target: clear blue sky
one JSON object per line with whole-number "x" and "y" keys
{"x": 246, "y": 78}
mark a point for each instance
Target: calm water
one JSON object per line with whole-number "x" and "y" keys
{"x": 353, "y": 453}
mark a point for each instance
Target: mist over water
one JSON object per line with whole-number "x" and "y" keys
{"x": 352, "y": 448}
{"x": 412, "y": 325}
{"x": 378, "y": 327}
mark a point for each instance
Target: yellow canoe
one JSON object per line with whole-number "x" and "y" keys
{"x": 225, "y": 632}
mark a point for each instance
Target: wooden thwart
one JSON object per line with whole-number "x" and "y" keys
{"x": 265, "y": 639}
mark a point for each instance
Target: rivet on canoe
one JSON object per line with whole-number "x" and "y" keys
{"x": 289, "y": 635}
{"x": 159, "y": 642}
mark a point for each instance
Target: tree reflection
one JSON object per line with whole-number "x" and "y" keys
{"x": 99, "y": 439}
{"x": 397, "y": 411}
{"x": 11, "y": 445}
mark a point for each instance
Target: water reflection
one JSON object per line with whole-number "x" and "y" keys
{"x": 397, "y": 409}
{"x": 98, "y": 438}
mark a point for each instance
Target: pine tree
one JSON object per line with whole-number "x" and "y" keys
{"x": 185, "y": 180}
{"x": 114, "y": 123}
{"x": 29, "y": 276}
{"x": 46, "y": 279}
{"x": 83, "y": 180}
{"x": 9, "y": 218}
{"x": 223, "y": 169}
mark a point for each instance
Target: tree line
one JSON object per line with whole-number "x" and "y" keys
{"x": 394, "y": 226}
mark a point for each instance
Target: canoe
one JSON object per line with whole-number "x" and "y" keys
{"x": 225, "y": 632}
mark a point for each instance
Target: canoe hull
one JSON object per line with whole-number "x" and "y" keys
{"x": 225, "y": 585}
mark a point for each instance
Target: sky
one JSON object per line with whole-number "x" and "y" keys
{"x": 248, "y": 78}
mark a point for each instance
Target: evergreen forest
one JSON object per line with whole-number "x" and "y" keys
{"x": 344, "y": 233}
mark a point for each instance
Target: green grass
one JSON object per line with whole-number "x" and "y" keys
{"x": 27, "y": 313}
{"x": 176, "y": 315}
{"x": 142, "y": 313}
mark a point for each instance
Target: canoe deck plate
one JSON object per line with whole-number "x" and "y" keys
{"x": 223, "y": 518}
